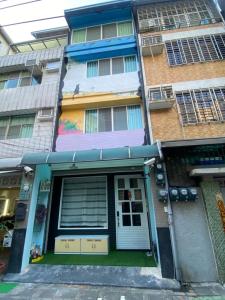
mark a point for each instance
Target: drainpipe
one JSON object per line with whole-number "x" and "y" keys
{"x": 151, "y": 209}
{"x": 178, "y": 274}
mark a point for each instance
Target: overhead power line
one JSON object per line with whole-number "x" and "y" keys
{"x": 19, "y": 4}
{"x": 31, "y": 21}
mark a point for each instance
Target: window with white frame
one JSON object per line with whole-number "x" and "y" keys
{"x": 18, "y": 79}
{"x": 112, "y": 66}
{"x": 196, "y": 49}
{"x": 113, "y": 119}
{"x": 201, "y": 106}
{"x": 16, "y": 127}
{"x": 177, "y": 14}
{"x": 102, "y": 32}
{"x": 84, "y": 203}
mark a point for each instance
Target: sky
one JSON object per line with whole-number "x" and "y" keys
{"x": 36, "y": 10}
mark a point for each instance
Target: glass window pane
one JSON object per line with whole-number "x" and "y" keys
{"x": 2, "y": 85}
{"x": 136, "y": 220}
{"x": 117, "y": 65}
{"x": 109, "y": 31}
{"x": 92, "y": 69}
{"x": 25, "y": 81}
{"x": 26, "y": 131}
{"x": 126, "y": 220}
{"x": 126, "y": 207}
{"x": 14, "y": 132}
{"x": 120, "y": 118}
{"x": 36, "y": 80}
{"x": 104, "y": 67}
{"x": 12, "y": 83}
{"x": 91, "y": 121}
{"x": 124, "y": 195}
{"x": 3, "y": 127}
{"x": 79, "y": 36}
{"x": 133, "y": 183}
{"x": 121, "y": 183}
{"x": 137, "y": 207}
{"x": 130, "y": 64}
{"x": 125, "y": 28}
{"x": 138, "y": 195}
{"x": 84, "y": 202}
{"x": 134, "y": 117}
{"x": 93, "y": 33}
{"x": 104, "y": 120}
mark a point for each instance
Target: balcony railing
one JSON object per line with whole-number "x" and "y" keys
{"x": 161, "y": 98}
{"x": 154, "y": 25}
{"x": 152, "y": 45}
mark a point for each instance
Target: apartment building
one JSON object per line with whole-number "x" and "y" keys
{"x": 183, "y": 49}
{"x": 30, "y": 74}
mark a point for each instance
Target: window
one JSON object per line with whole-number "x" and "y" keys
{"x": 16, "y": 127}
{"x": 18, "y": 79}
{"x": 113, "y": 119}
{"x": 199, "y": 49}
{"x": 160, "y": 93}
{"x": 84, "y": 203}
{"x": 178, "y": 14}
{"x": 101, "y": 32}
{"x": 116, "y": 65}
{"x": 201, "y": 106}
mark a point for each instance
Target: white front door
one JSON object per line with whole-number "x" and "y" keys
{"x": 132, "y": 230}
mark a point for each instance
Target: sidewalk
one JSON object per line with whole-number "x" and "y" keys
{"x": 135, "y": 277}
{"x": 30, "y": 291}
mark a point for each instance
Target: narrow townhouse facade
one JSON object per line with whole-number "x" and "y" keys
{"x": 30, "y": 74}
{"x": 99, "y": 174}
{"x": 183, "y": 46}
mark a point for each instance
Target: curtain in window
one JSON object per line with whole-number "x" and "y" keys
{"x": 93, "y": 33}
{"x": 130, "y": 64}
{"x": 104, "y": 120}
{"x": 79, "y": 36}
{"x": 84, "y": 202}
{"x": 109, "y": 31}
{"x": 117, "y": 65}
{"x": 91, "y": 121}
{"x": 104, "y": 67}
{"x": 92, "y": 69}
{"x": 125, "y": 28}
{"x": 21, "y": 127}
{"x": 134, "y": 117}
{"x": 120, "y": 118}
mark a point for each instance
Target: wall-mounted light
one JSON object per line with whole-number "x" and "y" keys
{"x": 163, "y": 195}
{"x": 193, "y": 194}
{"x": 174, "y": 194}
{"x": 183, "y": 194}
{"x": 160, "y": 179}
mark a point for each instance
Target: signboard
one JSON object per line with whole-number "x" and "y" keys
{"x": 221, "y": 206}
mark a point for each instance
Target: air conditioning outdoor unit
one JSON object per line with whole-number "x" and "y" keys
{"x": 45, "y": 114}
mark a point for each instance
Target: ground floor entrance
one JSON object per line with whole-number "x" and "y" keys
{"x": 98, "y": 213}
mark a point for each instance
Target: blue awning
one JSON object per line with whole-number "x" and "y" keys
{"x": 95, "y": 155}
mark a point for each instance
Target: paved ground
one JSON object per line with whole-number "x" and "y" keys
{"x": 94, "y": 275}
{"x": 29, "y": 291}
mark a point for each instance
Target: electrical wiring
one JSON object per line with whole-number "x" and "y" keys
{"x": 31, "y": 21}
{"x": 19, "y": 4}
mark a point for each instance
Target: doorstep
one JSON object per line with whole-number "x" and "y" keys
{"x": 135, "y": 277}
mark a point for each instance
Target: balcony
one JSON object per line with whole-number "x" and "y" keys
{"x": 161, "y": 98}
{"x": 152, "y": 45}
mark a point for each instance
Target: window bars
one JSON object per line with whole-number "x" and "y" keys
{"x": 176, "y": 15}
{"x": 201, "y": 106}
{"x": 196, "y": 49}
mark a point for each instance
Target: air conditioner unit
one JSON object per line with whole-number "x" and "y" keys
{"x": 147, "y": 24}
{"x": 31, "y": 62}
{"x": 52, "y": 66}
{"x": 45, "y": 114}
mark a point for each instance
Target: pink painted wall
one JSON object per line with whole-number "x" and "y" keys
{"x": 102, "y": 140}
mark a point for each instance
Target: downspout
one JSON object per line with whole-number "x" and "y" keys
{"x": 148, "y": 132}
{"x": 178, "y": 274}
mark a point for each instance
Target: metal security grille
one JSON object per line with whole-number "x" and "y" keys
{"x": 201, "y": 106}
{"x": 177, "y": 14}
{"x": 197, "y": 49}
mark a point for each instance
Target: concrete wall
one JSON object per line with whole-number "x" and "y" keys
{"x": 77, "y": 74}
{"x": 194, "y": 247}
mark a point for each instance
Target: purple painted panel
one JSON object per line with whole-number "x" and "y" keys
{"x": 102, "y": 140}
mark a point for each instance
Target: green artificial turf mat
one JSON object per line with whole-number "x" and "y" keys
{"x": 115, "y": 258}
{"x": 6, "y": 287}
